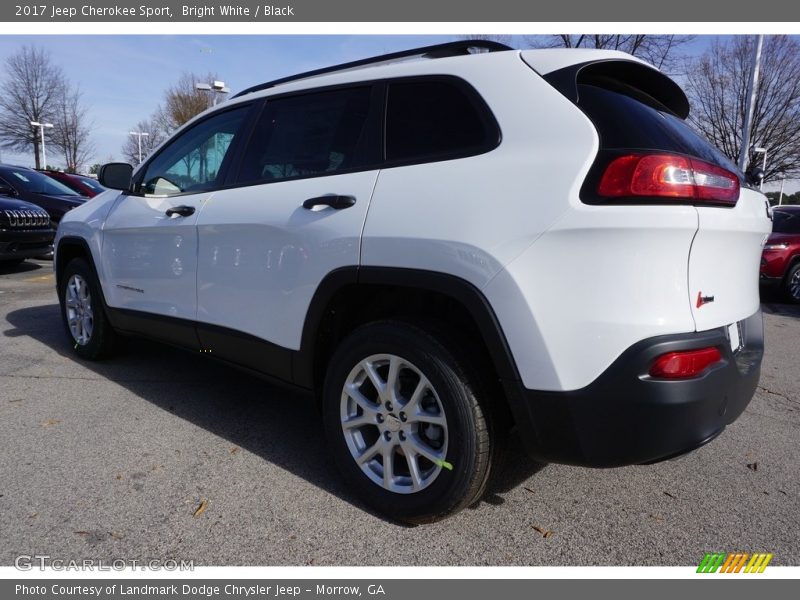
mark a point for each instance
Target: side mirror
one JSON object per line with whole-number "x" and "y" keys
{"x": 7, "y": 190}
{"x": 755, "y": 175}
{"x": 116, "y": 176}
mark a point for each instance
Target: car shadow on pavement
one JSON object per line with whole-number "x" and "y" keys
{"x": 282, "y": 426}
{"x": 774, "y": 302}
{"x": 784, "y": 310}
{"x": 23, "y": 267}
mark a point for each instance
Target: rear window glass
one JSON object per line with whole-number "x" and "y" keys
{"x": 784, "y": 221}
{"x": 435, "y": 119}
{"x": 308, "y": 135}
{"x": 624, "y": 122}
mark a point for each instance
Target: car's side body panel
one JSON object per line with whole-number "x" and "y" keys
{"x": 491, "y": 207}
{"x": 149, "y": 259}
{"x": 725, "y": 260}
{"x": 598, "y": 281}
{"x": 262, "y": 255}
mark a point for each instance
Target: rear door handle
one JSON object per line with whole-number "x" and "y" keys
{"x": 183, "y": 211}
{"x": 333, "y": 200}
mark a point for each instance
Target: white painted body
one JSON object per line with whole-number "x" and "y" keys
{"x": 572, "y": 285}
{"x": 149, "y": 259}
{"x": 262, "y": 255}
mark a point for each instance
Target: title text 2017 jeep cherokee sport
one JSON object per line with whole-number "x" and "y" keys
{"x": 444, "y": 245}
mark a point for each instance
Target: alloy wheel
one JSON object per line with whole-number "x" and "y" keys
{"x": 394, "y": 424}
{"x": 78, "y": 308}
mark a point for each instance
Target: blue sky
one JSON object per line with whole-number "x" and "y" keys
{"x": 123, "y": 77}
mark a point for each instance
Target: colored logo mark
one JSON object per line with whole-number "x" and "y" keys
{"x": 734, "y": 562}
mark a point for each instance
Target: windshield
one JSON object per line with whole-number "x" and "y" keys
{"x": 91, "y": 183}
{"x": 36, "y": 183}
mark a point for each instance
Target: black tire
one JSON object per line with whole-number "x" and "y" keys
{"x": 103, "y": 339}
{"x": 469, "y": 433}
{"x": 791, "y": 284}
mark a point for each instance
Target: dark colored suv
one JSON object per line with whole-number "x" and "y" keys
{"x": 30, "y": 185}
{"x": 25, "y": 231}
{"x": 780, "y": 261}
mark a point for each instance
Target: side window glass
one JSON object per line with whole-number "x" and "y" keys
{"x": 192, "y": 161}
{"x": 434, "y": 119}
{"x": 311, "y": 134}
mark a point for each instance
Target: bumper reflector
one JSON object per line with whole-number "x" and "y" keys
{"x": 685, "y": 364}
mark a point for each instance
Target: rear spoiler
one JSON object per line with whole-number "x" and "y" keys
{"x": 635, "y": 79}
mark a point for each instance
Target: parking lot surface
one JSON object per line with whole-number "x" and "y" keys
{"x": 162, "y": 454}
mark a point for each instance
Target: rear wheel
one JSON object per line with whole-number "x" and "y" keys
{"x": 792, "y": 284}
{"x": 405, "y": 423}
{"x": 82, "y": 312}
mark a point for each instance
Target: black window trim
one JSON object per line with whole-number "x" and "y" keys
{"x": 380, "y": 95}
{"x": 230, "y": 159}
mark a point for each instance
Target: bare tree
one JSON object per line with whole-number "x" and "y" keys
{"x": 183, "y": 101}
{"x": 31, "y": 90}
{"x": 717, "y": 89}
{"x": 155, "y": 135}
{"x": 661, "y": 51}
{"x": 72, "y": 130}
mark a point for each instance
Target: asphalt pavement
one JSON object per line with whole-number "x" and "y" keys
{"x": 114, "y": 459}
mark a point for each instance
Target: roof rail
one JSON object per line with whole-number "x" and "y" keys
{"x": 462, "y": 47}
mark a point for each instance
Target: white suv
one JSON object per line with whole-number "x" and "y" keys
{"x": 444, "y": 244}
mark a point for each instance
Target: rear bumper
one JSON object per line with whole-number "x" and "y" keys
{"x": 25, "y": 244}
{"x": 769, "y": 282}
{"x": 626, "y": 417}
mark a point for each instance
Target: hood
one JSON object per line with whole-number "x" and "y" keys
{"x": 76, "y": 200}
{"x": 8, "y": 203}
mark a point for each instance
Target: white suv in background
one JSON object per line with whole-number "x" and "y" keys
{"x": 444, "y": 244}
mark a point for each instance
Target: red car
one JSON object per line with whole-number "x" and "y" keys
{"x": 780, "y": 261}
{"x": 85, "y": 186}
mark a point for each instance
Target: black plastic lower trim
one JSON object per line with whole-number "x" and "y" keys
{"x": 171, "y": 330}
{"x": 627, "y": 417}
{"x": 454, "y": 287}
{"x": 246, "y": 351}
{"x": 234, "y": 347}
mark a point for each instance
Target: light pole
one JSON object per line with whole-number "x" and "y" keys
{"x": 763, "y": 164}
{"x": 139, "y": 135}
{"x": 752, "y": 88}
{"x": 783, "y": 180}
{"x": 217, "y": 87}
{"x": 41, "y": 127}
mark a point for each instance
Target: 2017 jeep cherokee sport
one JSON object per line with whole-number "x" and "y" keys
{"x": 443, "y": 249}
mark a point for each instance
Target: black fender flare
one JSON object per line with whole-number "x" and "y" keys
{"x": 454, "y": 287}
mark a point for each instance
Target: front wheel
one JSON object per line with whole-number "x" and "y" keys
{"x": 405, "y": 423}
{"x": 82, "y": 312}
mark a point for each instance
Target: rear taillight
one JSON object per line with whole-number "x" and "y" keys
{"x": 638, "y": 176}
{"x": 685, "y": 364}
